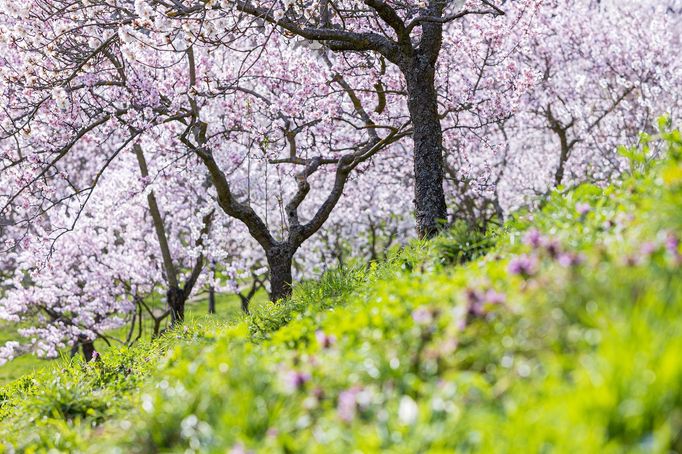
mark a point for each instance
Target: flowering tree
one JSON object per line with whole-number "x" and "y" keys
{"x": 605, "y": 80}
{"x": 107, "y": 269}
{"x": 140, "y": 141}
{"x": 606, "y": 71}
{"x": 252, "y": 106}
{"x": 411, "y": 36}
{"x": 177, "y": 293}
{"x": 128, "y": 79}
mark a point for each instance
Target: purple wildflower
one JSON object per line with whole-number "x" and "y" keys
{"x": 346, "y": 406}
{"x": 570, "y": 259}
{"x": 474, "y": 302}
{"x": 422, "y": 315}
{"x": 477, "y": 300}
{"x": 583, "y": 208}
{"x": 533, "y": 238}
{"x": 318, "y": 393}
{"x": 523, "y": 265}
{"x": 295, "y": 380}
{"x": 493, "y": 297}
{"x": 647, "y": 248}
{"x": 553, "y": 248}
{"x": 324, "y": 340}
{"x": 672, "y": 245}
{"x": 474, "y": 296}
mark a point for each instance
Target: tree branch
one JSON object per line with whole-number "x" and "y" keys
{"x": 159, "y": 225}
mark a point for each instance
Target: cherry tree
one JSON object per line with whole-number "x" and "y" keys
{"x": 608, "y": 78}
{"x": 109, "y": 267}
{"x": 411, "y": 37}
{"x": 114, "y": 75}
{"x": 142, "y": 140}
{"x": 606, "y": 71}
{"x": 364, "y": 229}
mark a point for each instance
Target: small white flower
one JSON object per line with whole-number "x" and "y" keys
{"x": 408, "y": 411}
{"x": 60, "y": 97}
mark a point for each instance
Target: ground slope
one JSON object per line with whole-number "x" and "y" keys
{"x": 561, "y": 332}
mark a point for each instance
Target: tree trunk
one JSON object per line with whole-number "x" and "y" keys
{"x": 563, "y": 157}
{"x": 280, "y": 262}
{"x": 84, "y": 344}
{"x": 245, "y": 304}
{"x": 176, "y": 303}
{"x": 88, "y": 350}
{"x": 211, "y": 300}
{"x": 211, "y": 292}
{"x": 422, "y": 102}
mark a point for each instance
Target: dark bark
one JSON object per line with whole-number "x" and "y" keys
{"x": 211, "y": 292}
{"x": 422, "y": 101}
{"x": 561, "y": 131}
{"x": 211, "y": 300}
{"x": 88, "y": 350}
{"x": 86, "y": 345}
{"x": 176, "y": 302}
{"x": 156, "y": 332}
{"x": 280, "y": 262}
{"x": 256, "y": 284}
{"x": 159, "y": 225}
{"x": 563, "y": 157}
{"x": 158, "y": 319}
{"x": 136, "y": 321}
{"x": 245, "y": 303}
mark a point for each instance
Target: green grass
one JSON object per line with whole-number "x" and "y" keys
{"x": 20, "y": 366}
{"x": 436, "y": 349}
{"x": 228, "y": 308}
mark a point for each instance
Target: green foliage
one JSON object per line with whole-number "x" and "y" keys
{"x": 333, "y": 287}
{"x": 440, "y": 348}
{"x": 462, "y": 243}
{"x": 53, "y": 407}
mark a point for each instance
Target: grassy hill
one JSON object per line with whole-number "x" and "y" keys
{"x": 561, "y": 332}
{"x": 228, "y": 309}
